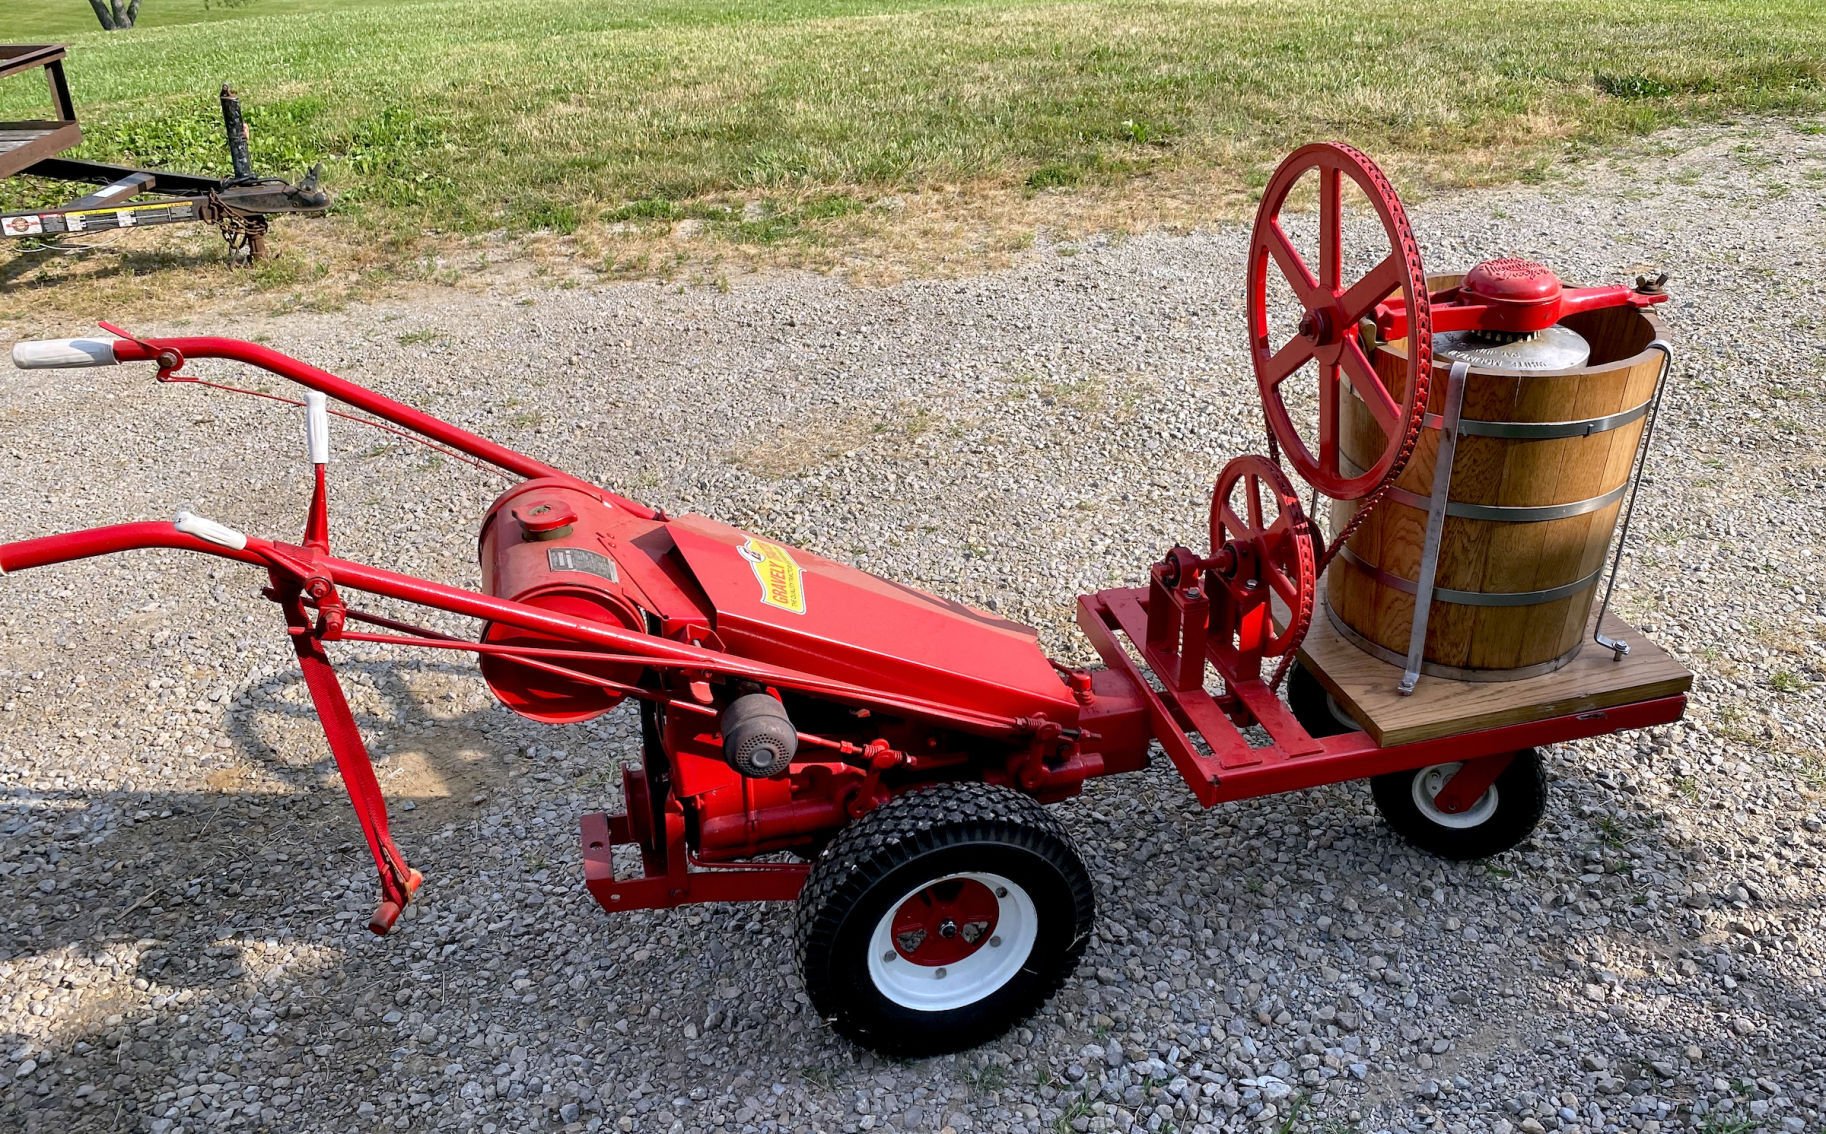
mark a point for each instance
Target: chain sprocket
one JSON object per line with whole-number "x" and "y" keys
{"x": 1331, "y": 315}
{"x": 1270, "y": 548}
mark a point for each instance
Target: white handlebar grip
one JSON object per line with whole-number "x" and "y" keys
{"x": 63, "y": 354}
{"x": 220, "y": 534}
{"x": 317, "y": 427}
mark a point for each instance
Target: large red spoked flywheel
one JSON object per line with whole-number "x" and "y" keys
{"x": 1330, "y": 313}
{"x": 1265, "y": 549}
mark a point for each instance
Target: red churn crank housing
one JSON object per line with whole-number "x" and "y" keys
{"x": 900, "y": 744}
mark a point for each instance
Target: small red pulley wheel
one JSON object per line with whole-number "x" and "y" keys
{"x": 1331, "y": 313}
{"x": 1273, "y": 547}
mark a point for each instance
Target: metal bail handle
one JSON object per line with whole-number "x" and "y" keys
{"x": 1436, "y": 525}
{"x": 1618, "y": 647}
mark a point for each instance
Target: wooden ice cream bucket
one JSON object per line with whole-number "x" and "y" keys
{"x": 1543, "y": 462}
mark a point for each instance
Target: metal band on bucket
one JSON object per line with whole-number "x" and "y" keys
{"x": 1452, "y": 672}
{"x": 1471, "y": 598}
{"x": 1543, "y": 430}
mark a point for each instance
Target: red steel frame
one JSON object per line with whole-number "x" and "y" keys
{"x": 1157, "y": 631}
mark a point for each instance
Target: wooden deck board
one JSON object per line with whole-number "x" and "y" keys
{"x": 24, "y": 144}
{"x": 1365, "y": 686}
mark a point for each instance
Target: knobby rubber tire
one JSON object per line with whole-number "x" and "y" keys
{"x": 1521, "y": 800}
{"x": 913, "y": 839}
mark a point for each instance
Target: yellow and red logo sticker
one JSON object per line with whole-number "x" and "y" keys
{"x": 782, "y": 583}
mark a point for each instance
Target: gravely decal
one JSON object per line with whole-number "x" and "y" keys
{"x": 781, "y": 583}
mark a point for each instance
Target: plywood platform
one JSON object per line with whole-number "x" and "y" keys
{"x": 1364, "y": 687}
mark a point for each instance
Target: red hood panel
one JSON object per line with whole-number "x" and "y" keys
{"x": 785, "y": 606}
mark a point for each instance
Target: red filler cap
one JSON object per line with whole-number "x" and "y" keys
{"x": 544, "y": 517}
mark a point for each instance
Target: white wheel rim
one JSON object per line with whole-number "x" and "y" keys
{"x": 1427, "y": 784}
{"x": 1338, "y": 714}
{"x": 927, "y": 988}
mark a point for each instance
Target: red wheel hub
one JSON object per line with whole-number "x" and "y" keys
{"x": 945, "y": 922}
{"x": 1271, "y": 549}
{"x": 1331, "y": 312}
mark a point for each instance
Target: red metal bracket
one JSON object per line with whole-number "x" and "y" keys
{"x": 1470, "y": 782}
{"x": 670, "y": 876}
{"x": 1200, "y": 733}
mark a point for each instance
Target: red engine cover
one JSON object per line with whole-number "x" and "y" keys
{"x": 545, "y": 543}
{"x": 779, "y": 604}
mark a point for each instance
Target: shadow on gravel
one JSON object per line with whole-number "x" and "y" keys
{"x": 122, "y": 866}
{"x": 251, "y": 894}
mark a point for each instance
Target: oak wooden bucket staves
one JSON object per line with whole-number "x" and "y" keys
{"x": 1543, "y": 462}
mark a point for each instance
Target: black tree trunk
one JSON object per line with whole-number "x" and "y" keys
{"x": 115, "y": 15}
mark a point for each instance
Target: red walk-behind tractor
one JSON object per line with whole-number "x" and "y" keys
{"x": 900, "y": 747}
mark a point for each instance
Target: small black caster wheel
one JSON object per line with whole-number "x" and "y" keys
{"x": 1502, "y": 817}
{"x": 1316, "y": 710}
{"x": 941, "y": 919}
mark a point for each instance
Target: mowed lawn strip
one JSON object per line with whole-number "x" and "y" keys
{"x": 773, "y": 121}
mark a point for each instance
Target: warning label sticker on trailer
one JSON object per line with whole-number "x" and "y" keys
{"x": 782, "y": 583}
{"x": 577, "y": 559}
{"x": 97, "y": 220}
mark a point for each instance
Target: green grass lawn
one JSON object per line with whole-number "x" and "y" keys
{"x": 445, "y": 120}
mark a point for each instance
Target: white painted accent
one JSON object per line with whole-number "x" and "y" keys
{"x": 1427, "y": 784}
{"x": 63, "y": 354}
{"x": 317, "y": 427}
{"x": 221, "y": 534}
{"x": 970, "y": 980}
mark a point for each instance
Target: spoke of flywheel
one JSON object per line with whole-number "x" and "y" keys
{"x": 1293, "y": 266}
{"x": 1369, "y": 387}
{"x": 1233, "y": 527}
{"x": 1282, "y": 584}
{"x": 1331, "y": 230}
{"x": 1288, "y": 359}
{"x": 1372, "y": 289}
{"x": 1328, "y": 410}
{"x": 1252, "y": 485}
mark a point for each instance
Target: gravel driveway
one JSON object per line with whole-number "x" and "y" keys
{"x": 183, "y": 889}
